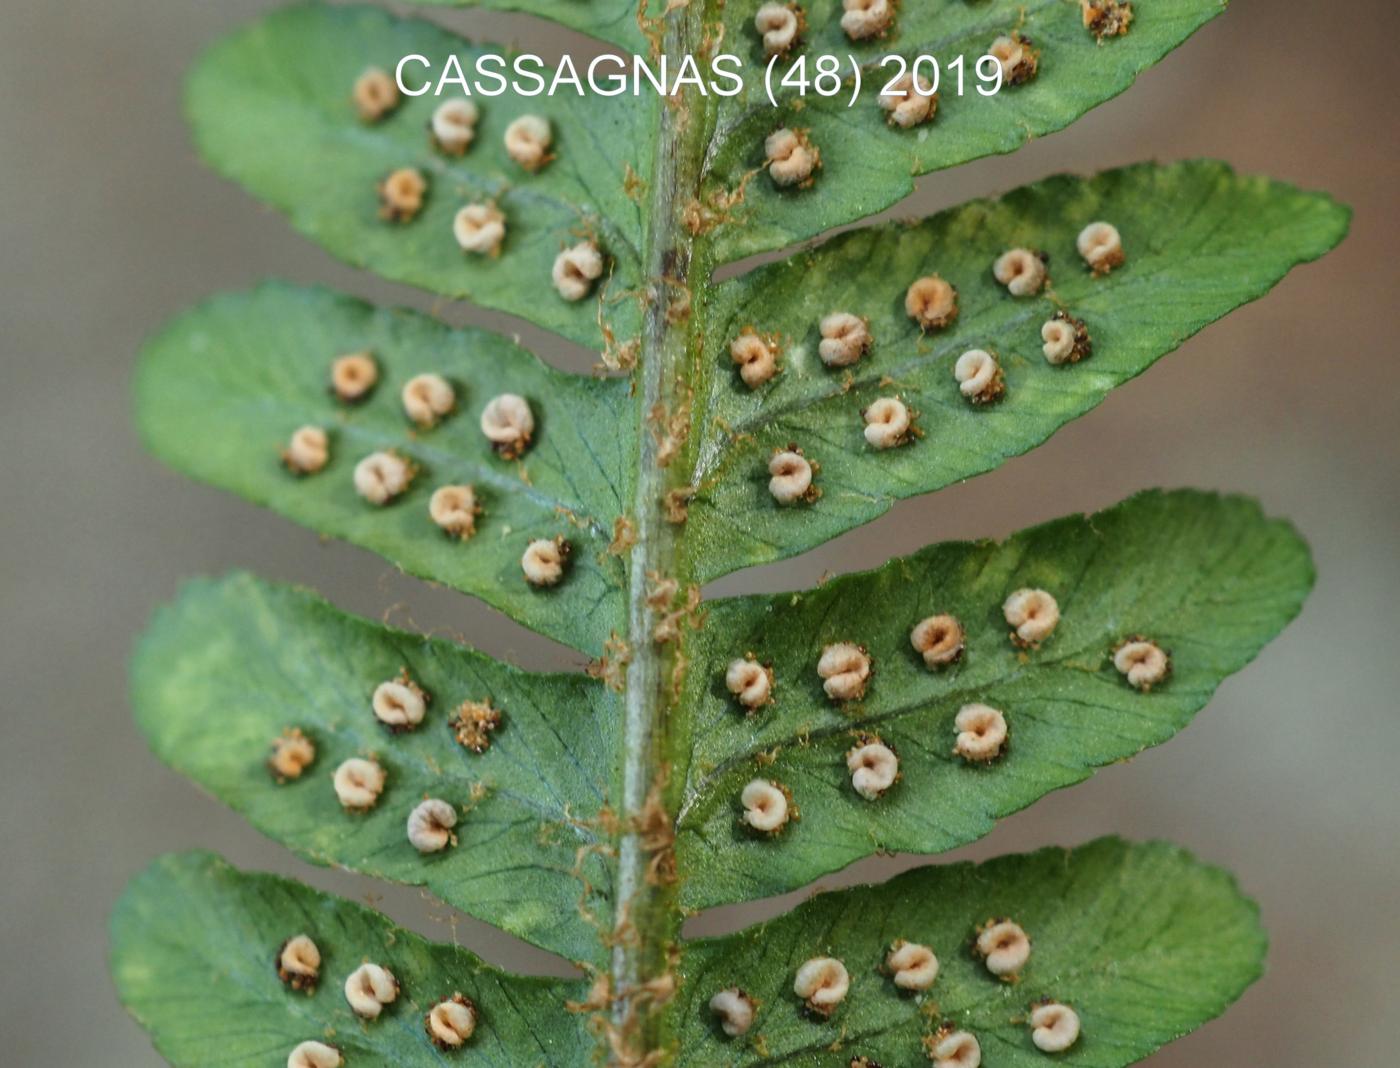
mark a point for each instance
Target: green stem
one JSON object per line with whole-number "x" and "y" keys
{"x": 647, "y": 921}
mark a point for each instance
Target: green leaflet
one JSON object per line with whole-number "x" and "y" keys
{"x": 614, "y": 21}
{"x": 235, "y": 662}
{"x": 194, "y": 950}
{"x": 1208, "y": 578}
{"x": 271, "y": 108}
{"x": 868, "y": 165}
{"x": 1200, "y": 241}
{"x": 1144, "y": 942}
{"x": 223, "y": 388}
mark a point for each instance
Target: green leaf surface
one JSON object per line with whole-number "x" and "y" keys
{"x": 1199, "y": 239}
{"x": 614, "y": 21}
{"x": 221, "y": 390}
{"x": 234, "y": 662}
{"x": 1142, "y": 941}
{"x": 271, "y": 108}
{"x": 194, "y": 950}
{"x": 867, "y": 165}
{"x": 1208, "y": 578}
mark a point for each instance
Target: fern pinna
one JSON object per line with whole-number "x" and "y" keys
{"x": 716, "y": 750}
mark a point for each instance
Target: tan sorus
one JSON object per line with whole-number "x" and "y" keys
{"x": 401, "y": 194}
{"x": 845, "y": 669}
{"x": 369, "y": 988}
{"x": 888, "y": 423}
{"x": 454, "y": 510}
{"x": 822, "y": 983}
{"x": 1021, "y": 271}
{"x": 734, "y": 1011}
{"x": 1142, "y": 662}
{"x": 1004, "y": 947}
{"x": 473, "y": 723}
{"x": 982, "y": 733}
{"x": 750, "y": 682}
{"x": 939, "y": 640}
{"x": 979, "y": 377}
{"x": 1101, "y": 246}
{"x": 312, "y": 1054}
{"x": 1018, "y": 58}
{"x": 932, "y": 302}
{"x": 428, "y": 398}
{"x": 292, "y": 753}
{"x": 353, "y": 376}
{"x": 1033, "y": 614}
{"x": 792, "y": 477}
{"x": 453, "y": 125}
{"x": 527, "y": 141}
{"x": 399, "y": 703}
{"x": 756, "y": 356}
{"x": 307, "y": 451}
{"x": 767, "y": 806}
{"x": 358, "y": 783}
{"x": 911, "y": 965}
{"x": 375, "y": 95}
{"x": 508, "y": 423}
{"x": 544, "y": 561}
{"x": 1106, "y": 18}
{"x": 863, "y": 19}
{"x": 1066, "y": 339}
{"x": 479, "y": 228}
{"x": 575, "y": 270}
{"x": 430, "y": 825}
{"x": 909, "y": 101}
{"x": 845, "y": 338}
{"x": 381, "y": 476}
{"x": 780, "y": 26}
{"x": 792, "y": 158}
{"x": 950, "y": 1047}
{"x": 1054, "y": 1026}
{"x": 451, "y": 1021}
{"x": 873, "y": 765}
{"x": 299, "y": 963}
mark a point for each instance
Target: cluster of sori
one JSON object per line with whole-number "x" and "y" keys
{"x": 507, "y": 423}
{"x": 909, "y": 100}
{"x": 932, "y": 303}
{"x": 822, "y": 983}
{"x": 479, "y": 227}
{"x": 399, "y": 705}
{"x": 370, "y": 987}
{"x": 980, "y": 732}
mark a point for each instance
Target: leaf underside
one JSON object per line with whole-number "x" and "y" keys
{"x": 194, "y": 946}
{"x": 868, "y": 165}
{"x": 221, "y": 390}
{"x": 1144, "y": 942}
{"x": 235, "y": 662}
{"x": 1199, "y": 239}
{"x": 271, "y": 108}
{"x": 614, "y": 21}
{"x": 1208, "y": 578}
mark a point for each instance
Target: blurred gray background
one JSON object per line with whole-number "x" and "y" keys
{"x": 108, "y": 225}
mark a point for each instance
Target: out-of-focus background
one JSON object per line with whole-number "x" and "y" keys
{"x": 109, "y": 224}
